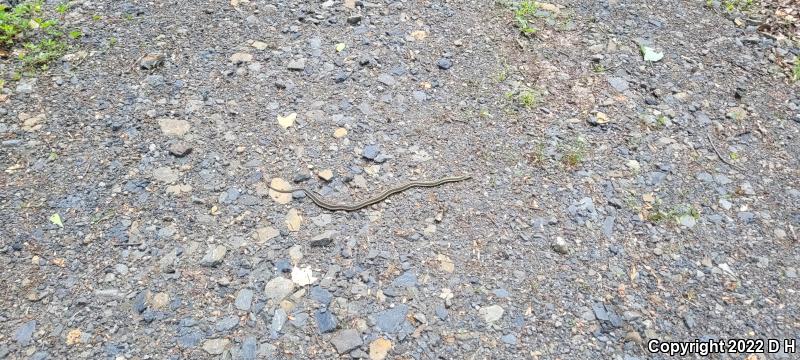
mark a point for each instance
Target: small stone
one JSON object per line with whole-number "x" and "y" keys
{"x": 326, "y": 174}
{"x": 746, "y": 188}
{"x": 260, "y": 45}
{"x": 509, "y": 339}
{"x": 321, "y": 295}
{"x": 174, "y": 127}
{"x": 216, "y": 346}
{"x": 244, "y": 299}
{"x": 214, "y": 256}
{"x": 370, "y": 152}
{"x": 346, "y": 340}
{"x": 297, "y": 65}
{"x": 339, "y": 133}
{"x": 265, "y": 234}
{"x": 278, "y": 320}
{"x": 165, "y": 175}
{"x": 633, "y": 165}
{"x": 379, "y": 349}
{"x": 725, "y": 204}
{"x": 160, "y": 301}
{"x": 227, "y": 323}
{"x": 353, "y": 20}
{"x": 390, "y": 320}
{"x": 239, "y": 58}
{"x": 326, "y": 322}
{"x": 687, "y": 220}
{"x": 618, "y": 84}
{"x": 24, "y": 333}
{"x": 278, "y": 288}
{"x": 441, "y": 312}
{"x": 492, "y": 313}
{"x": 560, "y": 246}
{"x": 780, "y": 234}
{"x": 323, "y": 239}
{"x": 26, "y": 86}
{"x": 180, "y": 149}
{"x": 444, "y": 63}
{"x": 386, "y": 79}
{"x": 248, "y": 349}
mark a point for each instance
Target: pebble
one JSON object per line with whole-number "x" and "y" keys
{"x": 248, "y": 349}
{"x": 346, "y": 340}
{"x": 278, "y": 320}
{"x": 216, "y": 346}
{"x": 509, "y": 339}
{"x": 214, "y": 256}
{"x": 444, "y": 63}
{"x": 24, "y": 333}
{"x": 180, "y": 149}
{"x": 244, "y": 299}
{"x": 326, "y": 322}
{"x": 370, "y": 152}
{"x": 618, "y": 84}
{"x": 353, "y": 20}
{"x": 687, "y": 220}
{"x": 560, "y": 246}
{"x": 227, "y": 323}
{"x": 390, "y": 320}
{"x": 174, "y": 127}
{"x": 323, "y": 239}
{"x": 297, "y": 65}
{"x": 278, "y": 288}
{"x": 321, "y": 295}
{"x": 491, "y": 313}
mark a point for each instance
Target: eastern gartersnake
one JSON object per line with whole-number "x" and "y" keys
{"x": 373, "y": 200}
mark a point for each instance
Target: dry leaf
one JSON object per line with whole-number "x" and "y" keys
{"x": 303, "y": 277}
{"x": 286, "y": 121}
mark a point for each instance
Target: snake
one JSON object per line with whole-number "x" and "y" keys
{"x": 376, "y": 199}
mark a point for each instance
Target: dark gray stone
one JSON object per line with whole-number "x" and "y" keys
{"x": 244, "y": 299}
{"x": 346, "y": 340}
{"x": 227, "y": 323}
{"x": 390, "y": 320}
{"x": 370, "y": 152}
{"x": 321, "y": 295}
{"x": 249, "y": 347}
{"x": 326, "y": 322}
{"x": 408, "y": 279}
{"x": 444, "y": 63}
{"x": 24, "y": 333}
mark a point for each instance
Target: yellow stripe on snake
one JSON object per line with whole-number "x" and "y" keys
{"x": 376, "y": 199}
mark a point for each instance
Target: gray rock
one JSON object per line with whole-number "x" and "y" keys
{"x": 390, "y": 320}
{"x": 608, "y": 226}
{"x": 216, "y": 346}
{"x": 346, "y": 340}
{"x": 297, "y": 65}
{"x": 509, "y": 339}
{"x": 26, "y": 85}
{"x": 24, "y": 333}
{"x": 323, "y": 239}
{"x": 278, "y": 288}
{"x": 244, "y": 298}
{"x": 441, "y": 312}
{"x": 704, "y": 176}
{"x": 491, "y": 313}
{"x": 386, "y": 79}
{"x": 353, "y": 20}
{"x": 214, "y": 256}
{"x": 746, "y": 216}
{"x": 420, "y": 95}
{"x": 560, "y": 246}
{"x": 408, "y": 279}
{"x": 190, "y": 339}
{"x": 278, "y": 320}
{"x": 370, "y": 152}
{"x": 501, "y": 293}
{"x": 321, "y": 295}
{"x": 248, "y": 349}
{"x": 618, "y": 84}
{"x": 227, "y": 323}
{"x": 444, "y": 63}
{"x": 299, "y": 320}
{"x": 326, "y": 322}
{"x": 687, "y": 220}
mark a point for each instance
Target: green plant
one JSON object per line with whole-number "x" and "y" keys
{"x": 74, "y": 34}
{"x": 522, "y": 13}
{"x": 662, "y": 120}
{"x": 598, "y": 68}
{"x": 574, "y": 153}
{"x": 39, "y": 54}
{"x": 62, "y": 8}
{"x": 97, "y": 17}
{"x": 796, "y": 70}
{"x": 14, "y": 22}
{"x": 527, "y": 99}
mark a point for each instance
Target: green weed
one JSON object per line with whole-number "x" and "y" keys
{"x": 574, "y": 153}
{"x": 522, "y": 13}
{"x": 796, "y": 70}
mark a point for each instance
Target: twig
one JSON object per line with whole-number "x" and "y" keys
{"x": 721, "y": 158}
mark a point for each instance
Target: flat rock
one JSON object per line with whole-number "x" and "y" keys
{"x": 24, "y": 333}
{"x": 326, "y": 321}
{"x": 244, "y": 299}
{"x": 346, "y": 340}
{"x": 174, "y": 127}
{"x": 278, "y": 288}
{"x": 215, "y": 346}
{"x": 214, "y": 256}
{"x": 390, "y": 320}
{"x": 491, "y": 313}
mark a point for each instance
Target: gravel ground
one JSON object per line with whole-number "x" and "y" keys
{"x": 613, "y": 200}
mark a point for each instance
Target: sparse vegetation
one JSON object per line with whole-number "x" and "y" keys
{"x": 796, "y": 70}
{"x": 598, "y": 68}
{"x": 523, "y": 13}
{"x": 574, "y": 153}
{"x": 34, "y": 39}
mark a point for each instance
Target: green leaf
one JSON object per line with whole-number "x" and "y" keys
{"x": 56, "y": 219}
{"x": 650, "y": 54}
{"x": 340, "y": 47}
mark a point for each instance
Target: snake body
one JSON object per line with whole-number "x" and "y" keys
{"x": 373, "y": 200}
